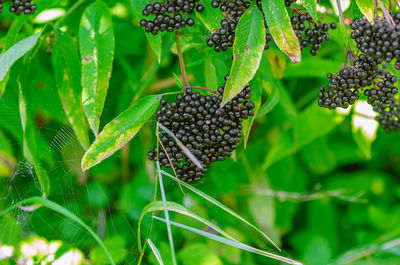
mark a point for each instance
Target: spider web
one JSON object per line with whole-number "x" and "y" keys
{"x": 68, "y": 183}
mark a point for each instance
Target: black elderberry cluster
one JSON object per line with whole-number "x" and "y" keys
{"x": 19, "y": 7}
{"x": 169, "y": 15}
{"x": 309, "y": 33}
{"x": 223, "y": 37}
{"x": 210, "y": 133}
{"x": 388, "y": 117}
{"x": 380, "y": 40}
{"x": 344, "y": 87}
{"x": 382, "y": 94}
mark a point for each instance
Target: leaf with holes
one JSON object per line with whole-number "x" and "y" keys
{"x": 281, "y": 28}
{"x": 96, "y": 42}
{"x": 120, "y": 131}
{"x": 66, "y": 67}
{"x": 247, "y": 52}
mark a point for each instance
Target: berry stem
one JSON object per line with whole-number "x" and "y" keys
{"x": 386, "y": 13}
{"x": 181, "y": 62}
{"x": 203, "y": 88}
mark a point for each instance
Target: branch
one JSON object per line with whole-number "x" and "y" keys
{"x": 181, "y": 62}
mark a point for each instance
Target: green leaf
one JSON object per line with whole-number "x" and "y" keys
{"x": 66, "y": 67}
{"x": 342, "y": 35}
{"x": 210, "y": 17}
{"x": 219, "y": 205}
{"x": 156, "y": 252}
{"x": 62, "y": 211}
{"x": 247, "y": 52}
{"x": 96, "y": 42}
{"x": 256, "y": 84}
{"x": 175, "y": 207}
{"x": 117, "y": 248}
{"x": 272, "y": 101}
{"x": 179, "y": 82}
{"x": 9, "y": 57}
{"x": 120, "y": 131}
{"x": 281, "y": 29}
{"x": 155, "y": 41}
{"x": 30, "y": 138}
{"x": 233, "y": 243}
{"x": 313, "y": 123}
{"x": 10, "y": 39}
{"x": 311, "y": 6}
{"x": 366, "y": 8}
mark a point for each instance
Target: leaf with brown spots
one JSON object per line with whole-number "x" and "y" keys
{"x": 281, "y": 29}
{"x": 247, "y": 50}
{"x": 96, "y": 43}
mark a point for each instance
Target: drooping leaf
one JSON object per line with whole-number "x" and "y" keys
{"x": 210, "y": 17}
{"x": 366, "y": 8}
{"x": 281, "y": 28}
{"x": 156, "y": 252}
{"x": 313, "y": 123}
{"x": 155, "y": 41}
{"x": 256, "y": 84}
{"x": 175, "y": 207}
{"x": 9, "y": 57}
{"x": 220, "y": 205}
{"x": 62, "y": 211}
{"x": 233, "y": 243}
{"x": 96, "y": 43}
{"x": 311, "y": 6}
{"x": 66, "y": 66}
{"x": 119, "y": 131}
{"x": 247, "y": 52}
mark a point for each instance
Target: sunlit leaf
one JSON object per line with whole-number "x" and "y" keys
{"x": 120, "y": 131}
{"x": 281, "y": 29}
{"x": 96, "y": 43}
{"x": 247, "y": 52}
{"x": 210, "y": 17}
{"x": 311, "y": 6}
{"x": 367, "y": 8}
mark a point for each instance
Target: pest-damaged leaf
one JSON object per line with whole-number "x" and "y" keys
{"x": 281, "y": 29}
{"x": 311, "y": 6}
{"x": 155, "y": 41}
{"x": 256, "y": 84}
{"x": 120, "y": 131}
{"x": 247, "y": 52}
{"x": 211, "y": 17}
{"x": 366, "y": 8}
{"x": 9, "y": 57}
{"x": 66, "y": 66}
{"x": 96, "y": 42}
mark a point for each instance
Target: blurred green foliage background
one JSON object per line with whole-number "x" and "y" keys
{"x": 308, "y": 179}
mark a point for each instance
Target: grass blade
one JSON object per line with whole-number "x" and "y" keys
{"x": 61, "y": 210}
{"x": 220, "y": 205}
{"x": 171, "y": 240}
{"x": 155, "y": 252}
{"x": 233, "y": 243}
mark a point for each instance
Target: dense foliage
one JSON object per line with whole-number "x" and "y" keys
{"x": 199, "y": 132}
